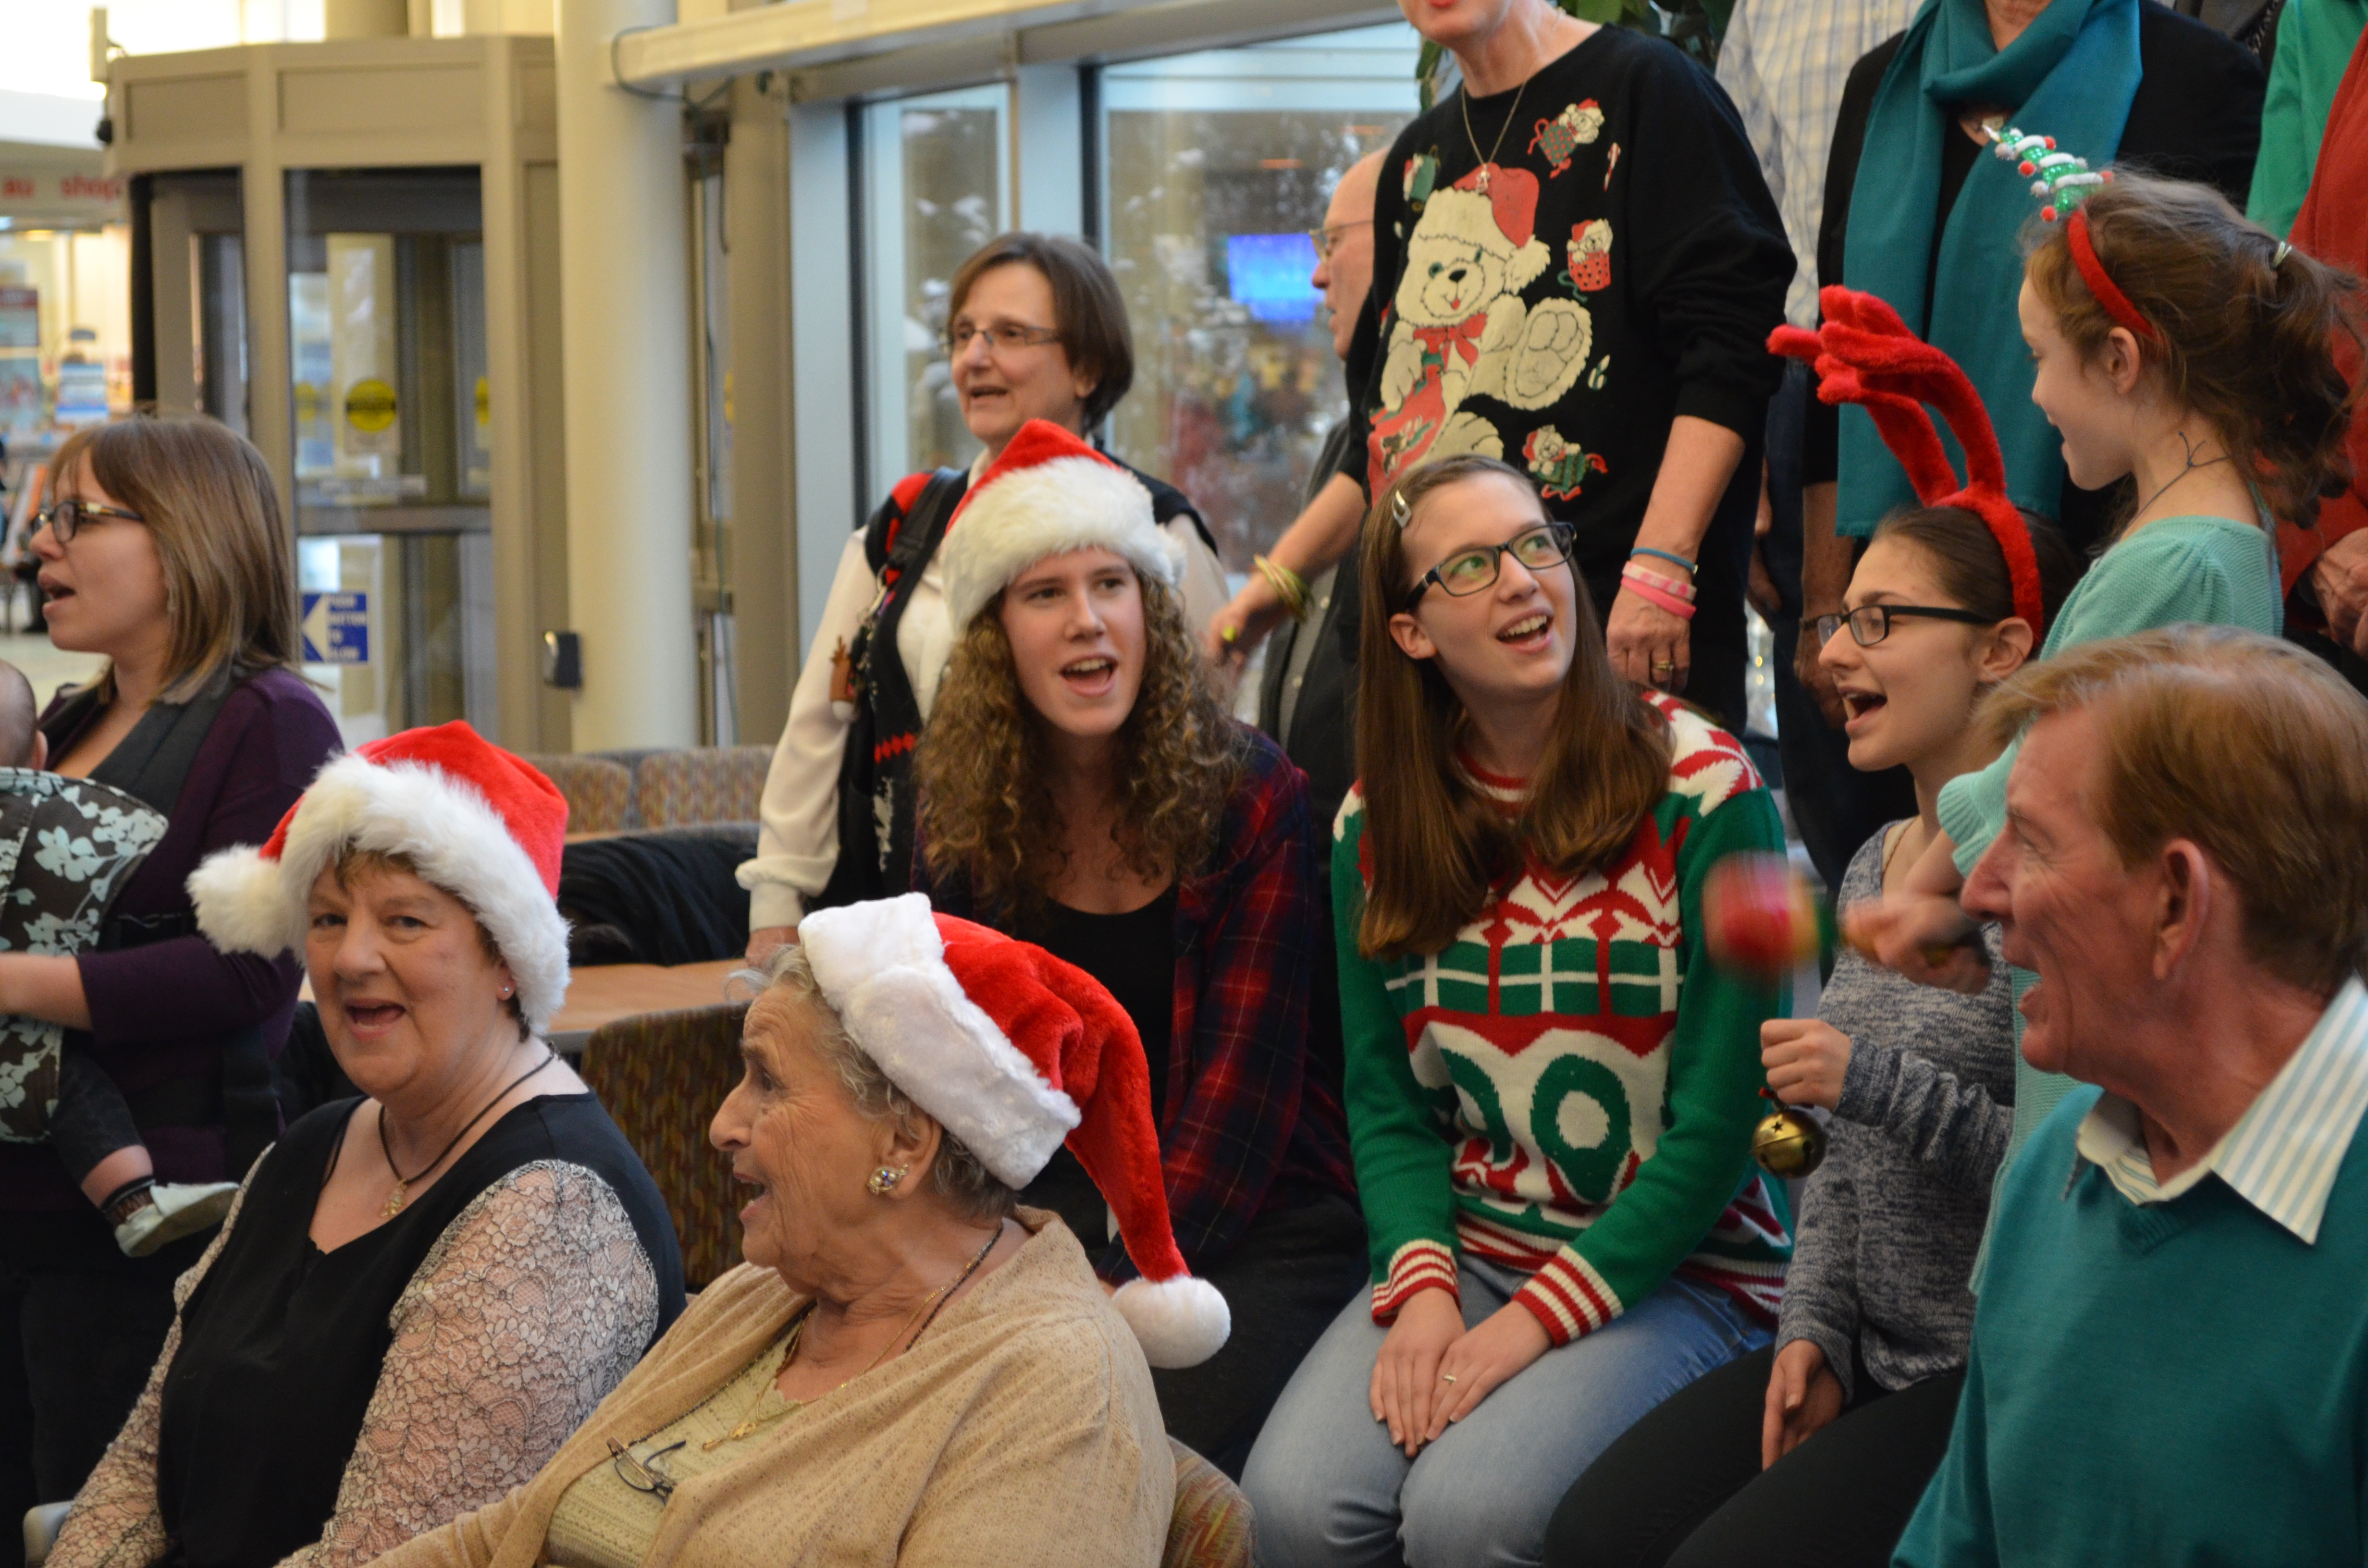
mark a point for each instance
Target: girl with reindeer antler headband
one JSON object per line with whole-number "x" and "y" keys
{"x": 1951, "y": 598}
{"x": 2180, "y": 346}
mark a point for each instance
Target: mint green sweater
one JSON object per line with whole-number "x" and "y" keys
{"x": 2182, "y": 1383}
{"x": 2207, "y": 569}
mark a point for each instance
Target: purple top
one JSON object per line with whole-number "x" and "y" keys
{"x": 158, "y": 1011}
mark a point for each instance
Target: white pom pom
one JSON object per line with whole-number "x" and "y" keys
{"x": 1180, "y": 1323}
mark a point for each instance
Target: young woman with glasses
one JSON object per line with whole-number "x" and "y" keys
{"x": 1825, "y": 1440}
{"x": 1035, "y": 330}
{"x": 163, "y": 552}
{"x": 1552, "y": 1090}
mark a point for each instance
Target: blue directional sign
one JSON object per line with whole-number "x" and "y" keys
{"x": 336, "y": 629}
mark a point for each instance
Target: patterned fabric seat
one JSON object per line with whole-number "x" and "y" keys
{"x": 1211, "y": 1527}
{"x": 600, "y": 792}
{"x": 661, "y": 1077}
{"x": 707, "y": 784}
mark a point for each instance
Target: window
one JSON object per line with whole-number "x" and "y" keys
{"x": 937, "y": 186}
{"x": 1215, "y": 167}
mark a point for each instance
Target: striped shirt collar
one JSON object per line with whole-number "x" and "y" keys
{"x": 2282, "y": 1155}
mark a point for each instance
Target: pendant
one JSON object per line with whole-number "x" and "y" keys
{"x": 394, "y": 1201}
{"x": 1481, "y": 185}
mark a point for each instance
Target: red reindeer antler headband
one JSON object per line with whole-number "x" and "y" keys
{"x": 1864, "y": 354}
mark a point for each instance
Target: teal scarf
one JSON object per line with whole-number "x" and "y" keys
{"x": 2070, "y": 75}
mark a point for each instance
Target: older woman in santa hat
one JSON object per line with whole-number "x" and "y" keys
{"x": 1083, "y": 788}
{"x": 420, "y": 1292}
{"x": 909, "y": 1369}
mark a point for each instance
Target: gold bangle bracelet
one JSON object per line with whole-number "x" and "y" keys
{"x": 1288, "y": 585}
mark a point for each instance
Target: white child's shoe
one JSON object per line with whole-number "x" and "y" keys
{"x": 173, "y": 1209}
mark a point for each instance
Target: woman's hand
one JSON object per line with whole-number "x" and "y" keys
{"x": 1251, "y": 617}
{"x": 1648, "y": 644}
{"x": 1406, "y": 1374}
{"x": 1803, "y": 1395}
{"x": 1806, "y": 1059}
{"x": 1927, "y": 938}
{"x": 1504, "y": 1344}
{"x": 763, "y": 944}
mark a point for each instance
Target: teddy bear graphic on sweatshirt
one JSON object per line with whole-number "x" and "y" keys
{"x": 1560, "y": 138}
{"x": 1460, "y": 329}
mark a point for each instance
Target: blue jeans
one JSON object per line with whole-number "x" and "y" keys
{"x": 1330, "y": 1492}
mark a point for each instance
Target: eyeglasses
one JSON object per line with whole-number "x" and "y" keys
{"x": 65, "y": 519}
{"x": 642, "y": 1474}
{"x": 1470, "y": 571}
{"x": 1327, "y": 239}
{"x": 1002, "y": 338}
{"x": 1869, "y": 624}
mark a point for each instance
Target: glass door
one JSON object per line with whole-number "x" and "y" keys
{"x": 1215, "y": 165}
{"x": 393, "y": 445}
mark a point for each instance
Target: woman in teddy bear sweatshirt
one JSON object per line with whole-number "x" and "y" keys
{"x": 1575, "y": 267}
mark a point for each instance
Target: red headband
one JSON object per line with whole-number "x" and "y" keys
{"x": 2092, "y": 272}
{"x": 1864, "y": 354}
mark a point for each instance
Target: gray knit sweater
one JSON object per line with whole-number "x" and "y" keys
{"x": 1890, "y": 1222}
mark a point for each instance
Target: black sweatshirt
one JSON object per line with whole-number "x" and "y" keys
{"x": 1626, "y": 268}
{"x": 2196, "y": 115}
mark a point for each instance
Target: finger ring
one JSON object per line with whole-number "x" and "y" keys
{"x": 1230, "y": 634}
{"x": 1447, "y": 1377}
{"x": 1665, "y": 663}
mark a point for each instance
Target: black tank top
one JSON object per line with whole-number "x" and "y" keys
{"x": 282, "y": 1343}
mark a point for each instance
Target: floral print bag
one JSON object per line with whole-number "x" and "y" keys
{"x": 67, "y": 845}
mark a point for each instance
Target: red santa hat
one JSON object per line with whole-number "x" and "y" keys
{"x": 1047, "y": 493}
{"x": 471, "y": 818}
{"x": 1015, "y": 1053}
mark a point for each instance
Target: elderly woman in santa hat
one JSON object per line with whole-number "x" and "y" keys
{"x": 909, "y": 1369}
{"x": 419, "y": 1292}
{"x": 1083, "y": 788}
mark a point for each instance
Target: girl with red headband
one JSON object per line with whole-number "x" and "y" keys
{"x": 1824, "y": 1440}
{"x": 2194, "y": 353}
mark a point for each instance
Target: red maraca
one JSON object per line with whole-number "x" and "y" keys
{"x": 1759, "y": 918}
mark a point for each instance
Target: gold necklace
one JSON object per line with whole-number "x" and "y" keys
{"x": 1464, "y": 97}
{"x": 750, "y": 1422}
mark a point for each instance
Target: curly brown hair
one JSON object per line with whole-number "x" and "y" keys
{"x": 986, "y": 808}
{"x": 2255, "y": 334}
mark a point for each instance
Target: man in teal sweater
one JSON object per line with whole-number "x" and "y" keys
{"x": 2170, "y": 1355}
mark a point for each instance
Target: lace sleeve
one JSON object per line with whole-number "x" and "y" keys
{"x": 115, "y": 1522}
{"x": 531, "y": 1307}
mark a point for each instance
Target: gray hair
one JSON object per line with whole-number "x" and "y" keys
{"x": 956, "y": 1174}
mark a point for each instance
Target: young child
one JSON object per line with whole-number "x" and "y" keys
{"x": 1950, "y": 599}
{"x": 2194, "y": 353}
{"x": 66, "y": 845}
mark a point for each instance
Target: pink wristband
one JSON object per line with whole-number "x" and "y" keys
{"x": 1651, "y": 595}
{"x": 1669, "y": 586}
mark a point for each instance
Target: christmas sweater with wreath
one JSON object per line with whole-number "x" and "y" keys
{"x": 1560, "y": 270}
{"x": 1569, "y": 1087}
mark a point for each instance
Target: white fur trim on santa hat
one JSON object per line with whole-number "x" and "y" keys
{"x": 1180, "y": 1323}
{"x": 1050, "y": 508}
{"x": 442, "y": 825}
{"x": 882, "y": 967}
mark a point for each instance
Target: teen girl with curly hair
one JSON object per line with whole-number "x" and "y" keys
{"x": 1083, "y": 788}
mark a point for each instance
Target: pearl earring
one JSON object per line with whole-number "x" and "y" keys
{"x": 885, "y": 1179}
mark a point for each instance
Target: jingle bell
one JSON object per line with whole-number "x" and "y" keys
{"x": 1789, "y": 1143}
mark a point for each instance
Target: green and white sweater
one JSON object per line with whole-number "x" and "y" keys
{"x": 1569, "y": 1088}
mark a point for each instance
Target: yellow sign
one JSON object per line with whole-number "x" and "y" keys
{"x": 484, "y": 403}
{"x": 370, "y": 405}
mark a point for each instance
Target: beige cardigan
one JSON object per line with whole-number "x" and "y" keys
{"x": 1021, "y": 1429}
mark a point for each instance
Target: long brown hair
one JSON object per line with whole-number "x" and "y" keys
{"x": 1435, "y": 847}
{"x": 206, "y": 497}
{"x": 986, "y": 806}
{"x": 2249, "y": 336}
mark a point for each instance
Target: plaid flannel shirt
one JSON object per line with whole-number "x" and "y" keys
{"x": 1246, "y": 1128}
